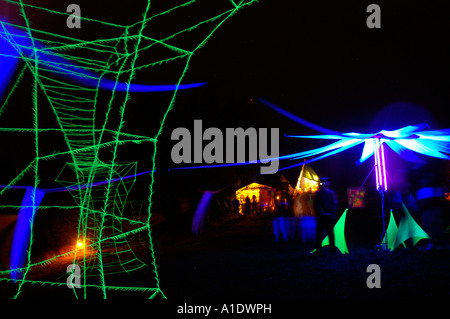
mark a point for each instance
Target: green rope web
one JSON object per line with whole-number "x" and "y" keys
{"x": 90, "y": 124}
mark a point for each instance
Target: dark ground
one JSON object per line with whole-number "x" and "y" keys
{"x": 240, "y": 260}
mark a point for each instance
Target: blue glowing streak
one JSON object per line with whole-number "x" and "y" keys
{"x": 8, "y": 64}
{"x": 330, "y": 153}
{"x": 16, "y": 45}
{"x": 298, "y": 119}
{"x": 79, "y": 187}
{"x": 22, "y": 231}
{"x": 414, "y": 138}
{"x": 198, "y": 222}
{"x": 404, "y": 141}
{"x": 404, "y": 153}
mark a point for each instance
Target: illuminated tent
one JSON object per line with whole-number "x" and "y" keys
{"x": 307, "y": 183}
{"x": 308, "y": 180}
{"x": 265, "y": 196}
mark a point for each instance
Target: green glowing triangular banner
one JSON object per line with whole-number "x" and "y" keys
{"x": 391, "y": 233}
{"x": 408, "y": 229}
{"x": 339, "y": 236}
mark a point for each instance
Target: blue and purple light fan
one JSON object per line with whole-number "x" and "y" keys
{"x": 404, "y": 141}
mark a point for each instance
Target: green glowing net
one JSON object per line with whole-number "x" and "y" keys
{"x": 79, "y": 131}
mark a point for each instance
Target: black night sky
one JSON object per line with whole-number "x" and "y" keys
{"x": 315, "y": 59}
{"x": 321, "y": 62}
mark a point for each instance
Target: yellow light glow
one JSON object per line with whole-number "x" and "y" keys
{"x": 80, "y": 244}
{"x": 263, "y": 194}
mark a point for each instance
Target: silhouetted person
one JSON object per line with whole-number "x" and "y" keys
{"x": 325, "y": 206}
{"x": 430, "y": 196}
{"x": 236, "y": 205}
{"x": 254, "y": 205}
{"x": 247, "y": 206}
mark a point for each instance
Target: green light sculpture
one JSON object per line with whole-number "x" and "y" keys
{"x": 408, "y": 229}
{"x": 339, "y": 235}
{"x": 91, "y": 122}
{"x": 391, "y": 233}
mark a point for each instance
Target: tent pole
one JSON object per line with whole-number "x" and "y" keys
{"x": 383, "y": 245}
{"x": 380, "y": 176}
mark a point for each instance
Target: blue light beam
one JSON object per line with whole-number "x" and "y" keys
{"x": 22, "y": 232}
{"x": 16, "y": 45}
{"x": 405, "y": 142}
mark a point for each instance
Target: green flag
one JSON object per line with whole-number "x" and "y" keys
{"x": 409, "y": 229}
{"x": 339, "y": 236}
{"x": 391, "y": 233}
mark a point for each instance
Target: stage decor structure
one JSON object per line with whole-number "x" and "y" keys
{"x": 405, "y": 141}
